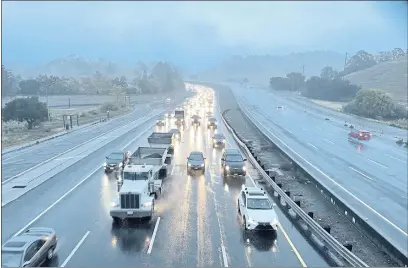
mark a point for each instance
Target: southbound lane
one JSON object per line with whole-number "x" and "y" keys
{"x": 370, "y": 172}
{"x": 198, "y": 223}
{"x": 16, "y": 162}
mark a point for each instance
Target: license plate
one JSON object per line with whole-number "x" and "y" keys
{"x": 130, "y": 212}
{"x": 196, "y": 168}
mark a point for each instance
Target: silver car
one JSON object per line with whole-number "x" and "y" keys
{"x": 196, "y": 162}
{"x": 29, "y": 249}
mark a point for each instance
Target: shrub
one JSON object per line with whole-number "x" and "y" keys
{"x": 109, "y": 106}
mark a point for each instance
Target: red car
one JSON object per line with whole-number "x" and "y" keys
{"x": 360, "y": 135}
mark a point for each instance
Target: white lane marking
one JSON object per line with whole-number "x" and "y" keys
{"x": 75, "y": 249}
{"x": 289, "y": 131}
{"x": 396, "y": 158}
{"x": 333, "y": 181}
{"x": 66, "y": 158}
{"x": 328, "y": 141}
{"x": 362, "y": 174}
{"x": 224, "y": 256}
{"x": 377, "y": 163}
{"x": 312, "y": 146}
{"x": 149, "y": 250}
{"x": 56, "y": 202}
{"x": 73, "y": 148}
{"x": 292, "y": 246}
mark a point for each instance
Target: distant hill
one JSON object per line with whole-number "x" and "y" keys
{"x": 390, "y": 77}
{"x": 76, "y": 66}
{"x": 258, "y": 69}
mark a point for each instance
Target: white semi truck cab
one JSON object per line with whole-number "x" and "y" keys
{"x": 141, "y": 184}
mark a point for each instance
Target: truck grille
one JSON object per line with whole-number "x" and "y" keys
{"x": 129, "y": 201}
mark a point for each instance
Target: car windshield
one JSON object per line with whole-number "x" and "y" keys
{"x": 213, "y": 120}
{"x": 11, "y": 258}
{"x": 135, "y": 176}
{"x": 257, "y": 203}
{"x": 219, "y": 136}
{"x": 233, "y": 158}
{"x": 196, "y": 157}
{"x": 116, "y": 156}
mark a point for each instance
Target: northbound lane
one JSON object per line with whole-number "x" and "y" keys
{"x": 198, "y": 223}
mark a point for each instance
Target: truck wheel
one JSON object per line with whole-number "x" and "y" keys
{"x": 116, "y": 220}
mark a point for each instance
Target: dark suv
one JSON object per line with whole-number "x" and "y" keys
{"x": 233, "y": 163}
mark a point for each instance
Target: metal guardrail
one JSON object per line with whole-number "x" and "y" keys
{"x": 349, "y": 257}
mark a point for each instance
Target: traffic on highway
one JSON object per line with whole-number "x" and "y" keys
{"x": 178, "y": 193}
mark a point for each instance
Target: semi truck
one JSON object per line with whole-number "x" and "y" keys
{"x": 141, "y": 184}
{"x": 162, "y": 140}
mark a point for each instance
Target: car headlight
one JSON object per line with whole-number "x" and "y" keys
{"x": 114, "y": 204}
{"x": 251, "y": 221}
{"x": 244, "y": 168}
{"x": 223, "y": 141}
{"x": 104, "y": 164}
{"x": 188, "y": 164}
{"x": 147, "y": 204}
{"x": 274, "y": 222}
{"x": 227, "y": 167}
{"x": 202, "y": 165}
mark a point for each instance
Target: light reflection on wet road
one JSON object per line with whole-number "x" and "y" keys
{"x": 199, "y": 224}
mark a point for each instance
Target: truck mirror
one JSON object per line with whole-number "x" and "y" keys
{"x": 245, "y": 159}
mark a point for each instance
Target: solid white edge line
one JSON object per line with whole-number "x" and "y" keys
{"x": 58, "y": 200}
{"x": 73, "y": 148}
{"x": 224, "y": 256}
{"x": 149, "y": 250}
{"x": 75, "y": 249}
{"x": 312, "y": 146}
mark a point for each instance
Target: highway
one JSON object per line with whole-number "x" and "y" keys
{"x": 195, "y": 224}
{"x": 371, "y": 178}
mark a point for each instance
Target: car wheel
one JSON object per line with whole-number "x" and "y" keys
{"x": 239, "y": 210}
{"x": 50, "y": 254}
{"x": 116, "y": 219}
{"x": 245, "y": 225}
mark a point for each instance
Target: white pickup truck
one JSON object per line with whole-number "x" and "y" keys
{"x": 141, "y": 184}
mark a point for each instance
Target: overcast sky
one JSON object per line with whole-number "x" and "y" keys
{"x": 195, "y": 34}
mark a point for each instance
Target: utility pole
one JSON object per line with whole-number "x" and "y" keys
{"x": 48, "y": 110}
{"x": 303, "y": 69}
{"x": 345, "y": 61}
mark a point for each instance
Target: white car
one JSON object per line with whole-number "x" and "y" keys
{"x": 257, "y": 210}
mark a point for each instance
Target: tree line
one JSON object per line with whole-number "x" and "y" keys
{"x": 163, "y": 77}
{"x": 331, "y": 86}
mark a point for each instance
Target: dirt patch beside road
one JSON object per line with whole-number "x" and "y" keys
{"x": 15, "y": 133}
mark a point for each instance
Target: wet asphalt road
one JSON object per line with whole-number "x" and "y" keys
{"x": 16, "y": 162}
{"x": 375, "y": 173}
{"x": 198, "y": 223}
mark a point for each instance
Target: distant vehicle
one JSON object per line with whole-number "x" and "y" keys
{"x": 209, "y": 114}
{"x": 176, "y": 133}
{"x": 196, "y": 161}
{"x": 359, "y": 135}
{"x": 218, "y": 141}
{"x": 233, "y": 163}
{"x": 29, "y": 249}
{"x": 179, "y": 117}
{"x": 168, "y": 100}
{"x": 279, "y": 107}
{"x": 257, "y": 210}
{"x": 195, "y": 120}
{"x": 161, "y": 122}
{"x": 212, "y": 122}
{"x": 116, "y": 160}
{"x": 169, "y": 114}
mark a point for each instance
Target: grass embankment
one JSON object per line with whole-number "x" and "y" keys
{"x": 338, "y": 106}
{"x": 15, "y": 133}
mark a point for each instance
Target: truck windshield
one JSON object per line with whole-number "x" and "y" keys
{"x": 256, "y": 203}
{"x": 136, "y": 176}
